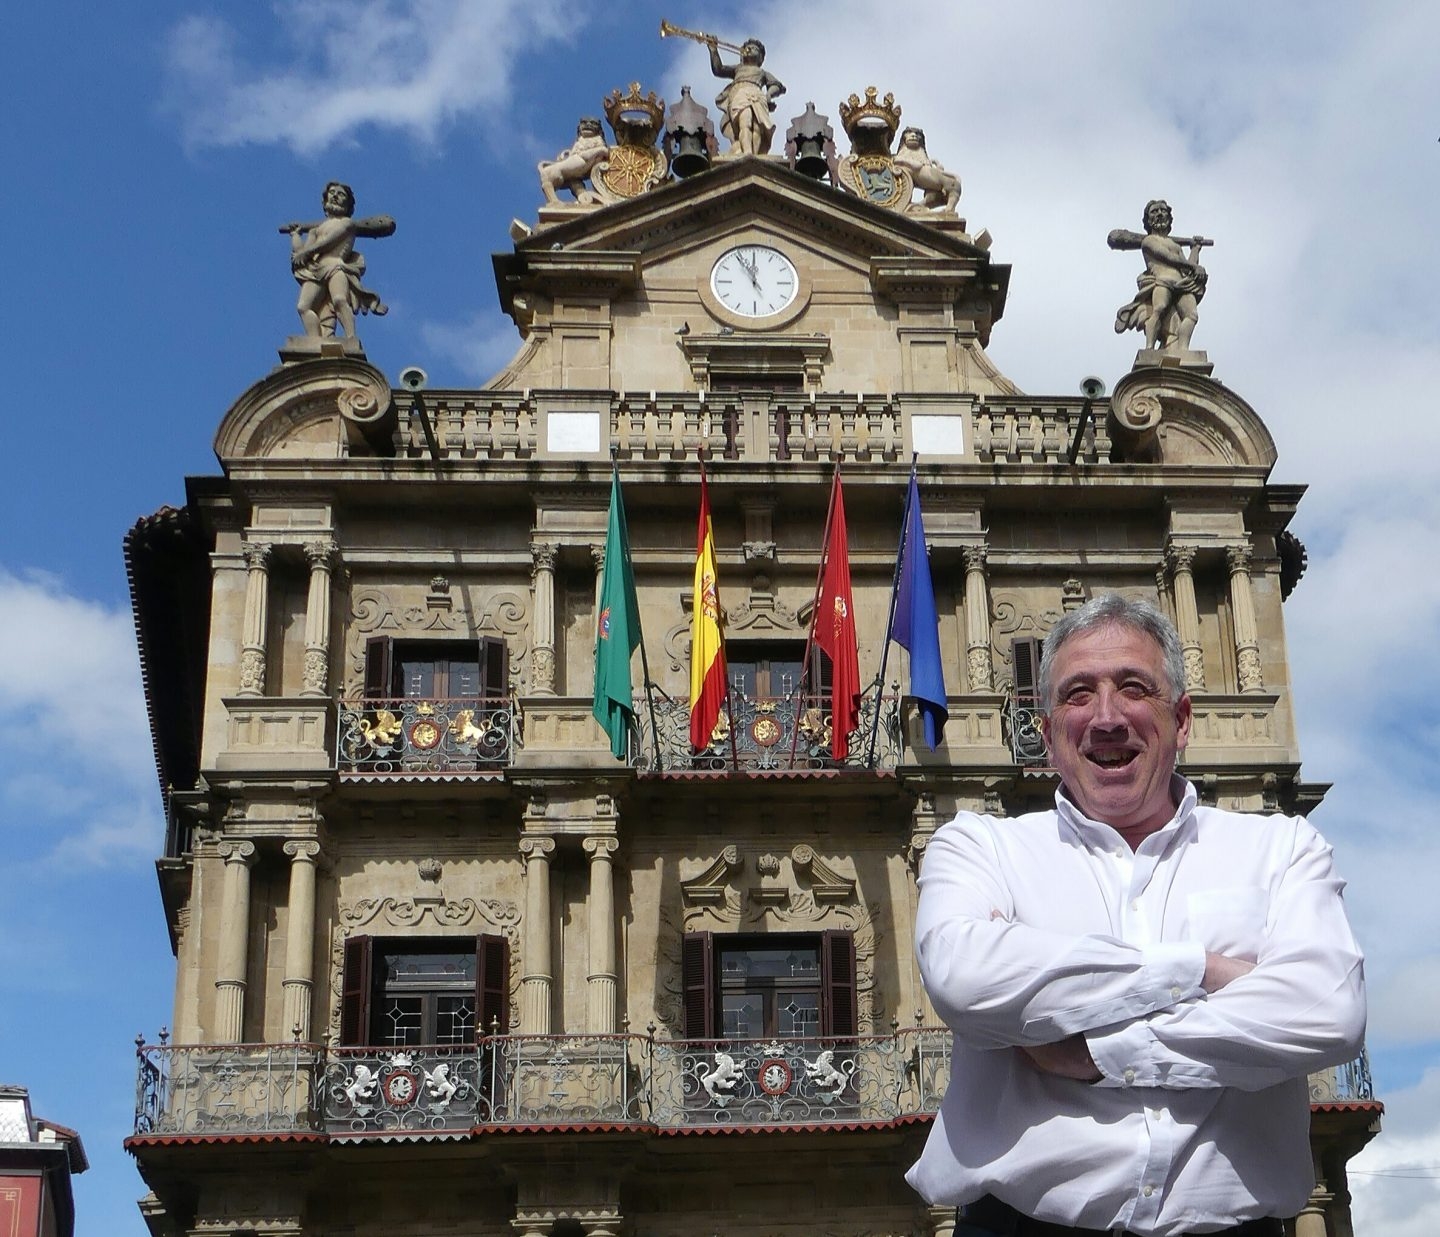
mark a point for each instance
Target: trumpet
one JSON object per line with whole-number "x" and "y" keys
{"x": 670, "y": 30}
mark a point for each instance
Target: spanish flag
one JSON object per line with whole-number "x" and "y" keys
{"x": 707, "y": 649}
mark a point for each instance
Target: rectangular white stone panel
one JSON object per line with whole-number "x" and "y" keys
{"x": 572, "y": 433}
{"x": 937, "y": 435}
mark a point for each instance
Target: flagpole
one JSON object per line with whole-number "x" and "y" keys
{"x": 720, "y": 623}
{"x": 894, "y": 598}
{"x": 640, "y": 625}
{"x": 814, "y": 611}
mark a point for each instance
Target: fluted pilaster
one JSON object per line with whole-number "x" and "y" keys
{"x": 978, "y": 665}
{"x": 602, "y": 979}
{"x": 239, "y": 856}
{"x": 300, "y": 936}
{"x": 1187, "y": 614}
{"x": 536, "y": 977}
{"x": 1242, "y": 606}
{"x": 321, "y": 557}
{"x": 542, "y": 653}
{"x": 256, "y": 619}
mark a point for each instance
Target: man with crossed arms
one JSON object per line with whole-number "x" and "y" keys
{"x": 1137, "y": 985}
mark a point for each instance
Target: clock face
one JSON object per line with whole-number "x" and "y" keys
{"x": 754, "y": 281}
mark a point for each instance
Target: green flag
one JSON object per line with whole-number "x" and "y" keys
{"x": 617, "y": 631}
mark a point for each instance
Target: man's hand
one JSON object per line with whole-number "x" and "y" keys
{"x": 1067, "y": 1058}
{"x": 1220, "y": 969}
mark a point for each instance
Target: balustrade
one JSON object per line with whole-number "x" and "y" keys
{"x": 405, "y": 736}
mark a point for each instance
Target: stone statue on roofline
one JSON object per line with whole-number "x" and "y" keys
{"x": 327, "y": 268}
{"x": 573, "y": 165}
{"x": 940, "y": 189}
{"x": 1166, "y": 305}
{"x": 749, "y": 98}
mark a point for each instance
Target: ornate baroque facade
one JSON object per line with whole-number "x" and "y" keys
{"x": 444, "y": 964}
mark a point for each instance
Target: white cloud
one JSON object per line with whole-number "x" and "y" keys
{"x": 334, "y": 67}
{"x": 81, "y": 787}
{"x": 1395, "y": 1181}
{"x": 480, "y": 347}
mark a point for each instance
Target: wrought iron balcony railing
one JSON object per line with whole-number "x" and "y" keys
{"x": 759, "y": 733}
{"x": 514, "y": 1081}
{"x": 1022, "y": 722}
{"x": 517, "y": 1080}
{"x": 416, "y": 735}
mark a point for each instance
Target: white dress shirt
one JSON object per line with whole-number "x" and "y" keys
{"x": 1043, "y": 926}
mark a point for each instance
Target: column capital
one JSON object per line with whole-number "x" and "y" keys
{"x": 237, "y": 850}
{"x": 321, "y": 554}
{"x": 597, "y": 556}
{"x": 543, "y": 554}
{"x": 1239, "y": 557}
{"x": 600, "y": 846}
{"x": 303, "y": 850}
{"x": 537, "y": 847}
{"x": 1181, "y": 557}
{"x": 257, "y": 554}
{"x": 975, "y": 556}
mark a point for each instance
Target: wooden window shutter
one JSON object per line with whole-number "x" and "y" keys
{"x": 697, "y": 966}
{"x": 494, "y": 668}
{"x": 356, "y": 984}
{"x": 492, "y": 984}
{"x": 1027, "y": 652}
{"x": 379, "y": 668}
{"x": 839, "y": 1009}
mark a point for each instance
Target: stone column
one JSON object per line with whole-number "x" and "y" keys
{"x": 239, "y": 856}
{"x": 602, "y": 976}
{"x": 597, "y": 556}
{"x": 321, "y": 557}
{"x": 1311, "y": 1220}
{"x": 977, "y": 620}
{"x": 300, "y": 936}
{"x": 1187, "y": 614}
{"x": 1242, "y": 607}
{"x": 536, "y": 977}
{"x": 542, "y": 653}
{"x": 257, "y": 612}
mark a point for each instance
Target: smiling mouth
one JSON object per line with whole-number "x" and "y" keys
{"x": 1111, "y": 759}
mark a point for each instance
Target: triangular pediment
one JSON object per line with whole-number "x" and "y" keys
{"x": 741, "y": 197}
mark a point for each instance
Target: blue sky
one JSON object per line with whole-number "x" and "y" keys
{"x": 155, "y": 148}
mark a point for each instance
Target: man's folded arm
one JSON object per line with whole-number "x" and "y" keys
{"x": 999, "y": 983}
{"x": 1300, "y": 1009}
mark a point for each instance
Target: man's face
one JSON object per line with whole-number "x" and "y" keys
{"x": 1113, "y": 731}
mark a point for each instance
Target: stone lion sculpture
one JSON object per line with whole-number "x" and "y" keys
{"x": 941, "y": 188}
{"x": 570, "y": 168}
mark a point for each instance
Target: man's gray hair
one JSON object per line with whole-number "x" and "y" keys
{"x": 1112, "y": 610}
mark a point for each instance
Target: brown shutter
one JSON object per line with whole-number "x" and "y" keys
{"x": 355, "y": 985}
{"x": 839, "y": 1013}
{"x": 494, "y": 668}
{"x": 492, "y": 984}
{"x": 697, "y": 966}
{"x": 1027, "y": 652}
{"x": 379, "y": 668}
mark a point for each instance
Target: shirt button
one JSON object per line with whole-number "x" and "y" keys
{"x": 1135, "y": 905}
{"x": 1129, "y": 1075}
{"x": 1175, "y": 991}
{"x": 1149, "y": 1190}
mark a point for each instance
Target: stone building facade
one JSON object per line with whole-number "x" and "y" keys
{"x": 446, "y": 966}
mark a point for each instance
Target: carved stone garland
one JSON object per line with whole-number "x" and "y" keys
{"x": 372, "y": 613}
{"x": 408, "y": 914}
{"x": 797, "y": 892}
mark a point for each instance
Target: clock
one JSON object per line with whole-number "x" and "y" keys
{"x": 754, "y": 281}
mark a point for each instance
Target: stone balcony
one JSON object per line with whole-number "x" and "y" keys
{"x": 614, "y": 1081}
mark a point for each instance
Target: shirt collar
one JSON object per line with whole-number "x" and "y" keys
{"x": 1182, "y": 790}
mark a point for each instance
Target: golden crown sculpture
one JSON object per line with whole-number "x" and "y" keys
{"x": 635, "y": 114}
{"x": 854, "y": 113}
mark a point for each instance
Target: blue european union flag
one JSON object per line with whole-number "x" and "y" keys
{"x": 916, "y": 626}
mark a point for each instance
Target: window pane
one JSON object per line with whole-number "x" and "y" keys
{"x": 464, "y": 678}
{"x": 787, "y": 963}
{"x": 798, "y": 1013}
{"x": 400, "y": 1020}
{"x": 430, "y": 971}
{"x": 454, "y": 1019}
{"x": 742, "y": 1015}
